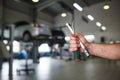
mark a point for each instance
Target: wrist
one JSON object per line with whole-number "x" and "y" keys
{"x": 88, "y": 46}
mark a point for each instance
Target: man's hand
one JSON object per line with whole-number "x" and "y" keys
{"x": 75, "y": 42}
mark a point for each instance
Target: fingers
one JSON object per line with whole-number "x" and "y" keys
{"x": 82, "y": 39}
{"x": 75, "y": 42}
{"x": 81, "y": 50}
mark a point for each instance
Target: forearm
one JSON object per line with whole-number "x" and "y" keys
{"x": 109, "y": 51}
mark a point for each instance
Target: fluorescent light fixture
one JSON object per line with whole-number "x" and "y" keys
{"x": 90, "y": 17}
{"x": 78, "y": 7}
{"x": 106, "y": 7}
{"x": 103, "y": 28}
{"x": 98, "y": 24}
{"x": 35, "y": 0}
{"x": 63, "y": 14}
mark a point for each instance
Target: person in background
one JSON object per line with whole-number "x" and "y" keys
{"x": 108, "y": 51}
{"x": 4, "y": 53}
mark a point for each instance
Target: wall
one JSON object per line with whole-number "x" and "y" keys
{"x": 109, "y": 18}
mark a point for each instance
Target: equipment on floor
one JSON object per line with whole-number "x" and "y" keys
{"x": 26, "y": 69}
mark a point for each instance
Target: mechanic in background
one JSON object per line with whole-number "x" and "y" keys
{"x": 4, "y": 53}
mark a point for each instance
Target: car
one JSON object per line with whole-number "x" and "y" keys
{"x": 27, "y": 32}
{"x": 57, "y": 37}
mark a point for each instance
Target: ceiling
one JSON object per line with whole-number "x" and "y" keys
{"x": 55, "y": 7}
{"x": 109, "y": 18}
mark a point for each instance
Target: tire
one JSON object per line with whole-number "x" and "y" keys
{"x": 26, "y": 36}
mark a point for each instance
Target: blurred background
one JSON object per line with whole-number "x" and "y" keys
{"x": 35, "y": 31}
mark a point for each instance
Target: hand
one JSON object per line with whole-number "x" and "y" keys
{"x": 75, "y": 42}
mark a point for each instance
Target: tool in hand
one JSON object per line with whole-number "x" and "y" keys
{"x": 77, "y": 56}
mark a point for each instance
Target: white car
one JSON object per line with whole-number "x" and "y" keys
{"x": 27, "y": 32}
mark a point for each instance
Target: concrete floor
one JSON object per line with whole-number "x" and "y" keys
{"x": 56, "y": 69}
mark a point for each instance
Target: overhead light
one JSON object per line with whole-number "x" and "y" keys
{"x": 106, "y": 7}
{"x": 63, "y": 14}
{"x": 103, "y": 28}
{"x": 35, "y": 0}
{"x": 98, "y": 24}
{"x": 90, "y": 17}
{"x": 78, "y": 7}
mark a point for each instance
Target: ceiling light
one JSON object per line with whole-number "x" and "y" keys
{"x": 35, "y": 0}
{"x": 98, "y": 24}
{"x": 90, "y": 17}
{"x": 78, "y": 7}
{"x": 106, "y": 7}
{"x": 103, "y": 28}
{"x": 63, "y": 14}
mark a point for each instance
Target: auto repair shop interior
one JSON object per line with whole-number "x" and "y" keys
{"x": 34, "y": 39}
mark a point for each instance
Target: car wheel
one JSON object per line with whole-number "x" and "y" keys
{"x": 26, "y": 36}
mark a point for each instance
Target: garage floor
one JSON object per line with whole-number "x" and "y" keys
{"x": 56, "y": 69}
